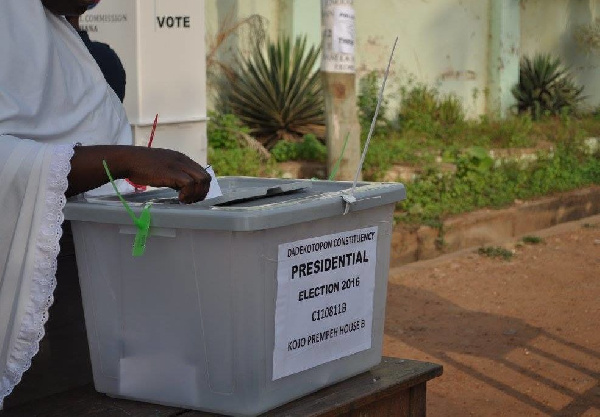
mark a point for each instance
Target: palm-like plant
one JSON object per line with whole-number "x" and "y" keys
{"x": 545, "y": 87}
{"x": 276, "y": 92}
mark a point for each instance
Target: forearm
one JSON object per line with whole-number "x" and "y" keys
{"x": 87, "y": 171}
{"x": 155, "y": 167}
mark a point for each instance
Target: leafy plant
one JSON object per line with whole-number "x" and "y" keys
{"x": 232, "y": 151}
{"x": 278, "y": 91}
{"x": 418, "y": 108}
{"x": 475, "y": 159}
{"x": 226, "y": 131}
{"x": 223, "y": 129}
{"x": 435, "y": 195}
{"x": 450, "y": 110}
{"x": 546, "y": 88}
{"x": 368, "y": 93}
{"x": 424, "y": 110}
{"x": 285, "y": 151}
{"x": 239, "y": 161}
{"x": 309, "y": 149}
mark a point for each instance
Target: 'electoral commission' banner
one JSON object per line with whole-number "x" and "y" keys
{"x": 324, "y": 307}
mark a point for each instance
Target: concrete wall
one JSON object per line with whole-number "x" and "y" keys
{"x": 457, "y": 46}
{"x": 442, "y": 43}
{"x": 549, "y": 27}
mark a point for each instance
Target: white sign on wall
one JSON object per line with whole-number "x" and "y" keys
{"x": 342, "y": 33}
{"x": 338, "y": 27}
{"x": 324, "y": 308}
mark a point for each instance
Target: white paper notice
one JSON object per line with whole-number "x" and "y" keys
{"x": 343, "y": 30}
{"x": 338, "y": 33}
{"x": 215, "y": 189}
{"x": 324, "y": 308}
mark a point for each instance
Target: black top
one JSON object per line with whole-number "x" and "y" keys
{"x": 109, "y": 64}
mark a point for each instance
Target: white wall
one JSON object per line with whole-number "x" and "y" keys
{"x": 442, "y": 43}
{"x": 549, "y": 27}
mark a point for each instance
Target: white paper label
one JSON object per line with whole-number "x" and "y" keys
{"x": 324, "y": 308}
{"x": 338, "y": 36}
{"x": 343, "y": 30}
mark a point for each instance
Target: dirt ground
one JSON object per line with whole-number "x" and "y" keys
{"x": 517, "y": 337}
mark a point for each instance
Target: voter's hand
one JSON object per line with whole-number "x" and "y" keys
{"x": 145, "y": 166}
{"x": 167, "y": 168}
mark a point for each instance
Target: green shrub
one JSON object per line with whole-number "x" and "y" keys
{"x": 368, "y": 93}
{"x": 418, "y": 108}
{"x": 546, "y": 88}
{"x": 239, "y": 162}
{"x": 309, "y": 149}
{"x": 312, "y": 149}
{"x": 450, "y": 110}
{"x": 223, "y": 130}
{"x": 228, "y": 150}
{"x": 285, "y": 151}
{"x": 424, "y": 110}
{"x": 476, "y": 184}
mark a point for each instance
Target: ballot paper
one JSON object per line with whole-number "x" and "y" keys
{"x": 215, "y": 190}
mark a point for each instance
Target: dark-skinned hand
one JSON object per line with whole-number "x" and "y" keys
{"x": 148, "y": 166}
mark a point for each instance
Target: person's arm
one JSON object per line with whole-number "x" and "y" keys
{"x": 155, "y": 167}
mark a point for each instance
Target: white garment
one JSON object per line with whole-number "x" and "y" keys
{"x": 52, "y": 95}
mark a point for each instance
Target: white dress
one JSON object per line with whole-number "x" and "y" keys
{"x": 52, "y": 95}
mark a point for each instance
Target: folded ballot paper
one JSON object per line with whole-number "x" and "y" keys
{"x": 215, "y": 189}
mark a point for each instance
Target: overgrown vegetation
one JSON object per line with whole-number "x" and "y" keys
{"x": 477, "y": 184}
{"x": 368, "y": 92}
{"x": 424, "y": 110}
{"x": 546, "y": 88}
{"x": 309, "y": 149}
{"x": 458, "y": 164}
{"x": 232, "y": 151}
{"x": 495, "y": 252}
{"x": 532, "y": 240}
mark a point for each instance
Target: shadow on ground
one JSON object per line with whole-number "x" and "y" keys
{"x": 465, "y": 339}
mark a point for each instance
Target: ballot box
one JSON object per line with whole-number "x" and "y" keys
{"x": 161, "y": 45}
{"x": 240, "y": 303}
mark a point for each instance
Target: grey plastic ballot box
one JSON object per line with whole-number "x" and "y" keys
{"x": 241, "y": 303}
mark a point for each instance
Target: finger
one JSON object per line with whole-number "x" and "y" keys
{"x": 193, "y": 192}
{"x": 201, "y": 184}
{"x": 196, "y": 171}
{"x": 175, "y": 179}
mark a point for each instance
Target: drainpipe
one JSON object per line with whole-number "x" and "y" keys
{"x": 504, "y": 54}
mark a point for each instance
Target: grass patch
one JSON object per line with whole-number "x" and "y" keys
{"x": 479, "y": 183}
{"x": 532, "y": 240}
{"x": 495, "y": 252}
{"x": 590, "y": 225}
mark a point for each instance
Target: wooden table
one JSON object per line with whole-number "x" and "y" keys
{"x": 395, "y": 388}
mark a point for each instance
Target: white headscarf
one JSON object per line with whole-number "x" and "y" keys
{"x": 52, "y": 95}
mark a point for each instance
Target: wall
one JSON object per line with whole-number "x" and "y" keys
{"x": 444, "y": 43}
{"x": 549, "y": 27}
{"x": 441, "y": 43}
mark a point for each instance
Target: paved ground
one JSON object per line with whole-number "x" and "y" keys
{"x": 517, "y": 337}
